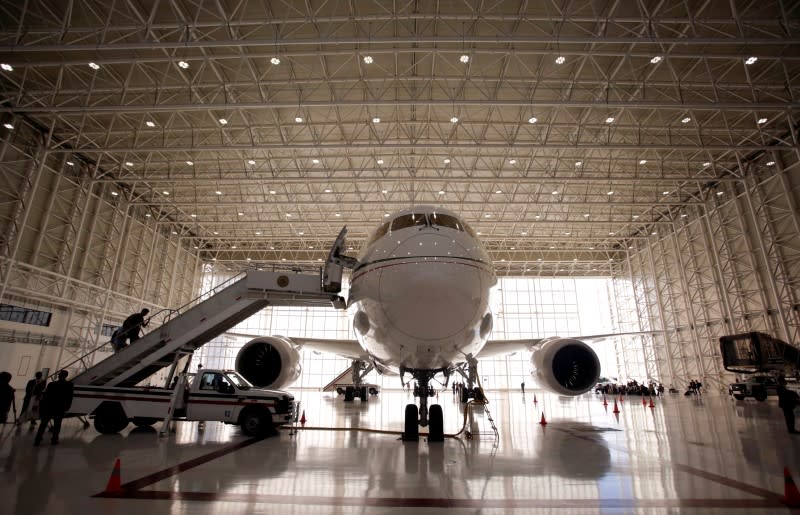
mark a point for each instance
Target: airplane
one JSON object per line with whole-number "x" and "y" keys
{"x": 419, "y": 301}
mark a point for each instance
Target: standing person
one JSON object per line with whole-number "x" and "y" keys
{"x": 522, "y": 386}
{"x": 787, "y": 400}
{"x": 134, "y": 324}
{"x": 6, "y": 396}
{"x": 56, "y": 401}
{"x": 33, "y": 390}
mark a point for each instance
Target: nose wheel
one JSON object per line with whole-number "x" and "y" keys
{"x": 416, "y": 417}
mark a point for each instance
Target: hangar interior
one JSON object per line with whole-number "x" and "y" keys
{"x": 151, "y": 150}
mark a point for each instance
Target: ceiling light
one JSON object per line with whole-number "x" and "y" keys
{"x": 586, "y": 215}
{"x": 385, "y": 215}
{"x": 288, "y": 215}
{"x": 591, "y": 248}
{"x": 223, "y": 121}
{"x": 611, "y": 234}
{"x": 176, "y": 232}
{"x": 327, "y": 190}
{"x": 218, "y": 192}
{"x": 454, "y": 119}
{"x": 567, "y": 233}
{"x": 533, "y": 119}
{"x": 183, "y": 64}
{"x": 560, "y": 59}
{"x": 609, "y": 193}
{"x": 447, "y": 161}
{"x": 165, "y": 192}
{"x": 271, "y": 192}
{"x": 654, "y": 233}
{"x": 686, "y": 120}
{"x": 368, "y": 59}
{"x": 524, "y": 233}
{"x": 94, "y": 66}
{"x": 610, "y": 119}
{"x": 251, "y": 162}
{"x": 70, "y": 163}
{"x": 379, "y": 161}
{"x": 275, "y": 61}
{"x": 720, "y": 193}
{"x": 337, "y": 214}
{"x": 762, "y": 121}
{"x": 578, "y": 163}
{"x": 215, "y": 232}
{"x": 193, "y": 215}
{"x": 190, "y": 163}
{"x": 751, "y": 60}
{"x": 554, "y": 193}
{"x": 8, "y": 126}
{"x": 656, "y": 59}
{"x": 376, "y": 120}
{"x": 128, "y": 163}
{"x": 114, "y": 193}
{"x": 499, "y": 191}
{"x": 464, "y": 58}
{"x": 248, "y": 259}
{"x": 707, "y": 163}
{"x": 537, "y": 217}
{"x": 301, "y": 233}
{"x": 479, "y": 233}
{"x": 487, "y": 215}
{"x": 315, "y": 161}
{"x": 635, "y": 217}
{"x": 552, "y": 246}
{"x": 770, "y": 163}
{"x": 240, "y": 213}
{"x": 384, "y": 192}
{"x": 7, "y": 67}
{"x": 150, "y": 124}
{"x": 298, "y": 119}
{"x": 643, "y": 161}
{"x": 666, "y": 193}
{"x": 513, "y": 248}
{"x": 258, "y": 233}
{"x": 512, "y": 161}
{"x": 684, "y": 215}
{"x": 441, "y": 192}
{"x": 148, "y": 216}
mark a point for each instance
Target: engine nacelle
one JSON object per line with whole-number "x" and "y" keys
{"x": 269, "y": 362}
{"x": 565, "y": 366}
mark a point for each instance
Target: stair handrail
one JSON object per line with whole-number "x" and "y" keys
{"x": 79, "y": 358}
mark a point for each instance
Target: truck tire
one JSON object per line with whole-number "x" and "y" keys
{"x": 110, "y": 418}
{"x": 760, "y": 394}
{"x": 143, "y": 421}
{"x": 257, "y": 422}
{"x": 373, "y": 391}
{"x": 738, "y": 397}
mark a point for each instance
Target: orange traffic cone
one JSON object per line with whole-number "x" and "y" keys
{"x": 114, "y": 485}
{"x": 616, "y": 408}
{"x": 543, "y": 421}
{"x": 644, "y": 401}
{"x": 652, "y": 404}
{"x": 534, "y": 399}
{"x": 303, "y": 418}
{"x": 605, "y": 402}
{"x": 791, "y": 497}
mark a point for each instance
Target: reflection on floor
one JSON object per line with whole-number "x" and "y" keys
{"x": 687, "y": 455}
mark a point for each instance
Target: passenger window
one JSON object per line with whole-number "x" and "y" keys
{"x": 382, "y": 230}
{"x": 443, "y": 220}
{"x": 209, "y": 381}
{"x": 412, "y": 220}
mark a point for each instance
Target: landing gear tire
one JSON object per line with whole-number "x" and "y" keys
{"x": 760, "y": 395}
{"x": 363, "y": 394}
{"x": 477, "y": 394}
{"x": 339, "y": 390}
{"x": 110, "y": 419}
{"x": 411, "y": 433}
{"x": 348, "y": 394}
{"x": 436, "y": 424}
{"x": 738, "y": 397}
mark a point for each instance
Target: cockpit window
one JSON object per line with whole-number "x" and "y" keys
{"x": 442, "y": 220}
{"x": 383, "y": 229}
{"x": 412, "y": 220}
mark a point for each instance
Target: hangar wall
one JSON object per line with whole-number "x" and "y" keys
{"x": 728, "y": 262}
{"x": 79, "y": 249}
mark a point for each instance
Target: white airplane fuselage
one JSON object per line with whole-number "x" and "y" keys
{"x": 419, "y": 298}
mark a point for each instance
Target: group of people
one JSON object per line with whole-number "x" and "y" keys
{"x": 632, "y": 387}
{"x": 129, "y": 331}
{"x": 47, "y": 402}
{"x": 694, "y": 388}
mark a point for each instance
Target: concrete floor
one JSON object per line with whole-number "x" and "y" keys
{"x": 685, "y": 455}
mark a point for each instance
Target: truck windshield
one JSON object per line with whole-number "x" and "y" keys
{"x": 238, "y": 381}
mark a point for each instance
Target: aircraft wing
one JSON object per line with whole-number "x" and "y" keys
{"x": 495, "y": 348}
{"x": 346, "y": 348}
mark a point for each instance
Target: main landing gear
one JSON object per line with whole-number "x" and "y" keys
{"x": 415, "y": 417}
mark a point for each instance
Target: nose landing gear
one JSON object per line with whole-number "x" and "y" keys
{"x": 415, "y": 417}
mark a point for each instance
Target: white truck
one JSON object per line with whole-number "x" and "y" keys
{"x": 208, "y": 395}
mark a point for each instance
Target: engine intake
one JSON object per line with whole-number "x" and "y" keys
{"x": 269, "y": 362}
{"x": 565, "y": 366}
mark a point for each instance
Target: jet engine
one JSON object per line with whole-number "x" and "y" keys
{"x": 269, "y": 362}
{"x": 565, "y": 366}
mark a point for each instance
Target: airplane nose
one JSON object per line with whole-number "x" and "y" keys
{"x": 431, "y": 297}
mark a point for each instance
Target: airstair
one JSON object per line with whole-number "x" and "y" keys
{"x": 192, "y": 326}
{"x": 748, "y": 353}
